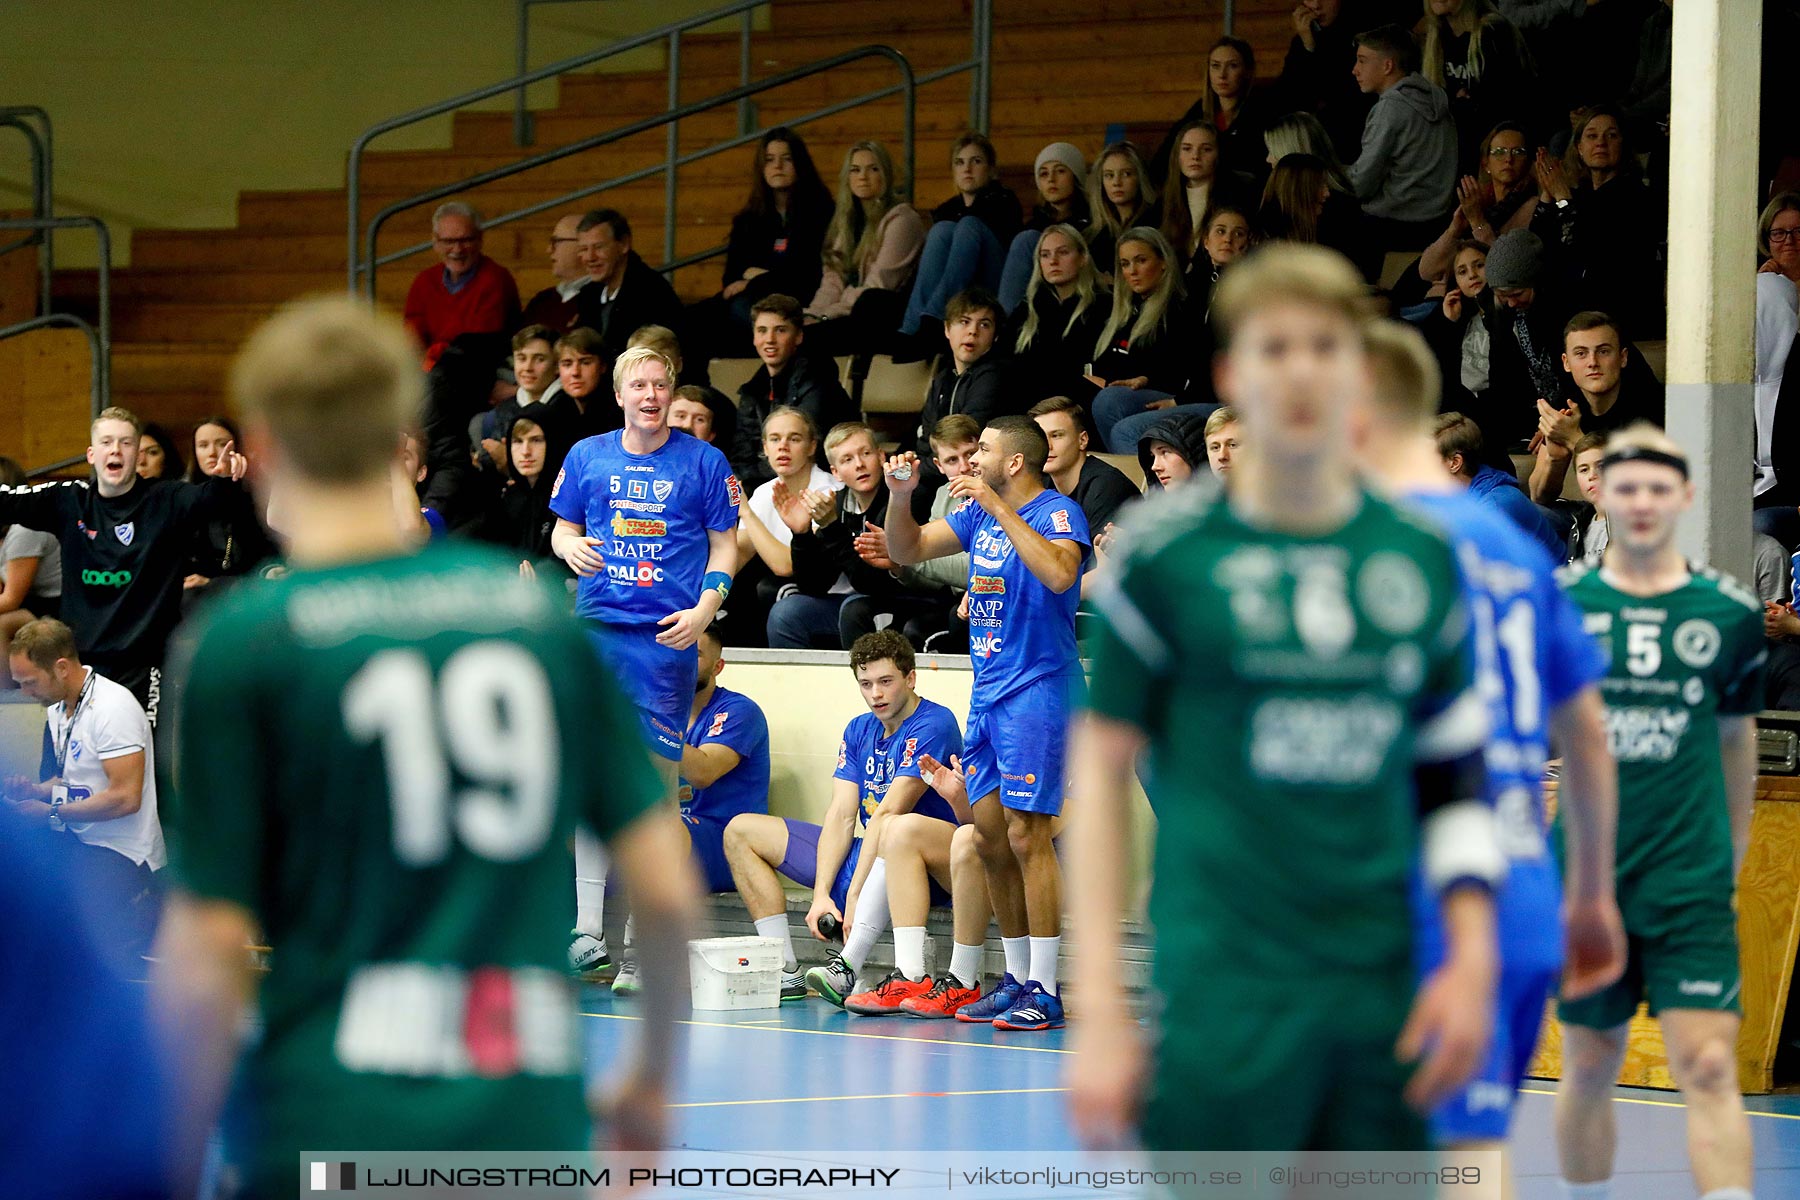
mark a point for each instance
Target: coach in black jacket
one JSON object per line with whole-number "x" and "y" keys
{"x": 626, "y": 293}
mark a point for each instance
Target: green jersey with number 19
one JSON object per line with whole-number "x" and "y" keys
{"x": 384, "y": 762}
{"x": 1680, "y": 661}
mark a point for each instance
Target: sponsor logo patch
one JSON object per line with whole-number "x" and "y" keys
{"x": 623, "y": 526}
{"x": 718, "y": 723}
{"x": 564, "y": 474}
{"x": 1059, "y": 521}
{"x": 734, "y": 491}
{"x": 906, "y": 755}
{"x": 986, "y": 585}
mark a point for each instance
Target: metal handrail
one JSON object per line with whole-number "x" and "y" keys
{"x": 907, "y": 87}
{"x": 979, "y": 65}
{"x": 99, "y": 339}
{"x": 61, "y": 464}
{"x": 43, "y": 189}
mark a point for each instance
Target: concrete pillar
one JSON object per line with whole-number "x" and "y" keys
{"x": 1712, "y": 289}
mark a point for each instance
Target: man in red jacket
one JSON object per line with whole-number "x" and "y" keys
{"x": 467, "y": 292}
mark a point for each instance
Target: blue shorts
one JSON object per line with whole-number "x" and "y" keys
{"x": 1482, "y": 1110}
{"x": 707, "y": 838}
{"x": 802, "y": 864}
{"x": 1016, "y": 747}
{"x": 657, "y": 680}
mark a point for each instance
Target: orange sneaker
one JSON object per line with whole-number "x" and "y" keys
{"x": 941, "y": 1002}
{"x": 885, "y": 998}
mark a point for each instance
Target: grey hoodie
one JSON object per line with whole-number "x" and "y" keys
{"x": 1407, "y": 168}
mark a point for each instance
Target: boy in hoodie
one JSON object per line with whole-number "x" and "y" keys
{"x": 1171, "y": 449}
{"x": 973, "y": 381}
{"x": 787, "y": 377}
{"x": 1407, "y": 167}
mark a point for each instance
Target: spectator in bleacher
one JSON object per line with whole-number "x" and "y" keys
{"x": 1315, "y": 77}
{"x": 159, "y": 454}
{"x": 1457, "y": 329}
{"x": 1171, "y": 448}
{"x": 126, "y": 540}
{"x": 690, "y": 413}
{"x": 1777, "y": 504}
{"x": 1223, "y": 439}
{"x": 1479, "y": 59}
{"x": 1099, "y": 487}
{"x": 788, "y": 376}
{"x": 534, "y": 364}
{"x": 724, "y": 765}
{"x": 627, "y": 293}
{"x": 774, "y": 246}
{"x": 1459, "y": 444}
{"x": 1302, "y": 133}
{"x": 1197, "y": 183}
{"x": 1341, "y": 219}
{"x": 1154, "y": 352}
{"x": 871, "y": 252}
{"x": 1297, "y": 206}
{"x": 97, "y": 782}
{"x": 1587, "y": 537}
{"x": 1051, "y": 334}
{"x": 30, "y": 569}
{"x": 233, "y": 542}
{"x": 976, "y": 378}
{"x": 1609, "y": 224}
{"x": 1405, "y": 172}
{"x": 778, "y": 506}
{"x": 1061, "y": 174}
{"x": 1225, "y": 239}
{"x": 581, "y": 397}
{"x": 1525, "y": 313}
{"x": 554, "y": 307}
{"x": 968, "y": 238}
{"x": 1501, "y": 197}
{"x": 954, "y": 441}
{"x": 465, "y": 292}
{"x": 517, "y": 514}
{"x": 1229, "y": 107}
{"x": 1121, "y": 197}
{"x": 1611, "y": 389}
{"x": 1778, "y": 236}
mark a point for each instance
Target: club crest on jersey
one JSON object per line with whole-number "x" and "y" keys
{"x": 125, "y": 532}
{"x": 718, "y": 723}
{"x": 74, "y": 750}
{"x": 906, "y": 755}
{"x": 1059, "y": 521}
{"x": 1696, "y": 643}
{"x": 661, "y": 488}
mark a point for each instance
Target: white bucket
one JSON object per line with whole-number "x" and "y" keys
{"x": 735, "y": 972}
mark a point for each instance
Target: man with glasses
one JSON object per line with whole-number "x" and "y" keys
{"x": 554, "y": 307}
{"x": 466, "y": 292}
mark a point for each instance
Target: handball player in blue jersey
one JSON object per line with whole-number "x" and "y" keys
{"x": 724, "y": 765}
{"x": 1539, "y": 670}
{"x": 1028, "y": 546}
{"x": 647, "y": 516}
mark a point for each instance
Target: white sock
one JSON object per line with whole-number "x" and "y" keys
{"x": 1043, "y": 961}
{"x": 909, "y": 951}
{"x": 1729, "y": 1194}
{"x": 871, "y": 917}
{"x": 590, "y": 884}
{"x": 630, "y": 933}
{"x": 1586, "y": 1191}
{"x": 965, "y": 964}
{"x": 1018, "y": 957}
{"x": 777, "y": 927}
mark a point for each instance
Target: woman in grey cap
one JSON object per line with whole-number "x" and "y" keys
{"x": 1061, "y": 174}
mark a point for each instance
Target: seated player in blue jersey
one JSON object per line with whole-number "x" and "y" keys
{"x": 1028, "y": 548}
{"x": 724, "y": 772}
{"x": 647, "y": 517}
{"x": 1539, "y": 671}
{"x": 877, "y": 781}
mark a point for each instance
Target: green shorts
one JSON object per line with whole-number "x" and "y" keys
{"x": 1247, "y": 1065}
{"x": 1687, "y": 962}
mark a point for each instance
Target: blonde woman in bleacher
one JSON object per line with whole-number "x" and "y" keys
{"x": 1153, "y": 355}
{"x": 1052, "y": 333}
{"x": 871, "y": 253}
{"x": 1122, "y": 197}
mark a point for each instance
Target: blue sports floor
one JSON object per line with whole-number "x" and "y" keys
{"x": 808, "y": 1076}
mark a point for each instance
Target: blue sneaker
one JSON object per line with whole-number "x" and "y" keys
{"x": 1037, "y": 1010}
{"x": 1004, "y": 998}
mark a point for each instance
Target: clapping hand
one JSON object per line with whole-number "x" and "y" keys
{"x": 871, "y": 544}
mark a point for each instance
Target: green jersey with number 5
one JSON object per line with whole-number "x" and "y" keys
{"x": 1680, "y": 661}
{"x": 384, "y": 763}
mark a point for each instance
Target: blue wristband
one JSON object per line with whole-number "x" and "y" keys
{"x": 717, "y": 581}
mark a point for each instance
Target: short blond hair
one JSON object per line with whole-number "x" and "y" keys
{"x": 43, "y": 641}
{"x": 1222, "y": 416}
{"x": 844, "y": 431}
{"x": 335, "y": 380}
{"x": 1408, "y": 385}
{"x": 636, "y": 358}
{"x": 115, "y": 413}
{"x": 1286, "y": 273}
{"x": 661, "y": 338}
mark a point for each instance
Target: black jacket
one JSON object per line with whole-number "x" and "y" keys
{"x": 231, "y": 541}
{"x": 1056, "y": 362}
{"x": 1612, "y": 242}
{"x": 1042, "y": 216}
{"x": 1445, "y": 337}
{"x": 1177, "y": 361}
{"x": 1241, "y": 147}
{"x": 1183, "y": 432}
{"x": 1102, "y": 490}
{"x": 124, "y": 557}
{"x": 517, "y": 514}
{"x": 1318, "y": 81}
{"x": 645, "y": 298}
{"x": 787, "y": 248}
{"x": 457, "y": 389}
{"x": 808, "y": 384}
{"x": 983, "y": 392}
{"x": 821, "y": 555}
{"x": 1507, "y": 413}
{"x": 995, "y": 206}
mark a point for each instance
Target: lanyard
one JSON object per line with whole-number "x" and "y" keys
{"x": 68, "y": 733}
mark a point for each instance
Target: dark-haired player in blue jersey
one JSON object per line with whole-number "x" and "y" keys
{"x": 1539, "y": 671}
{"x": 1028, "y": 546}
{"x": 647, "y": 516}
{"x": 724, "y": 765}
{"x": 879, "y": 776}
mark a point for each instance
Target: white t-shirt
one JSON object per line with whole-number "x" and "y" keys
{"x": 762, "y": 503}
{"x": 109, "y": 724}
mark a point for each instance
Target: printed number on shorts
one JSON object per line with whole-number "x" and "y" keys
{"x": 473, "y": 750}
